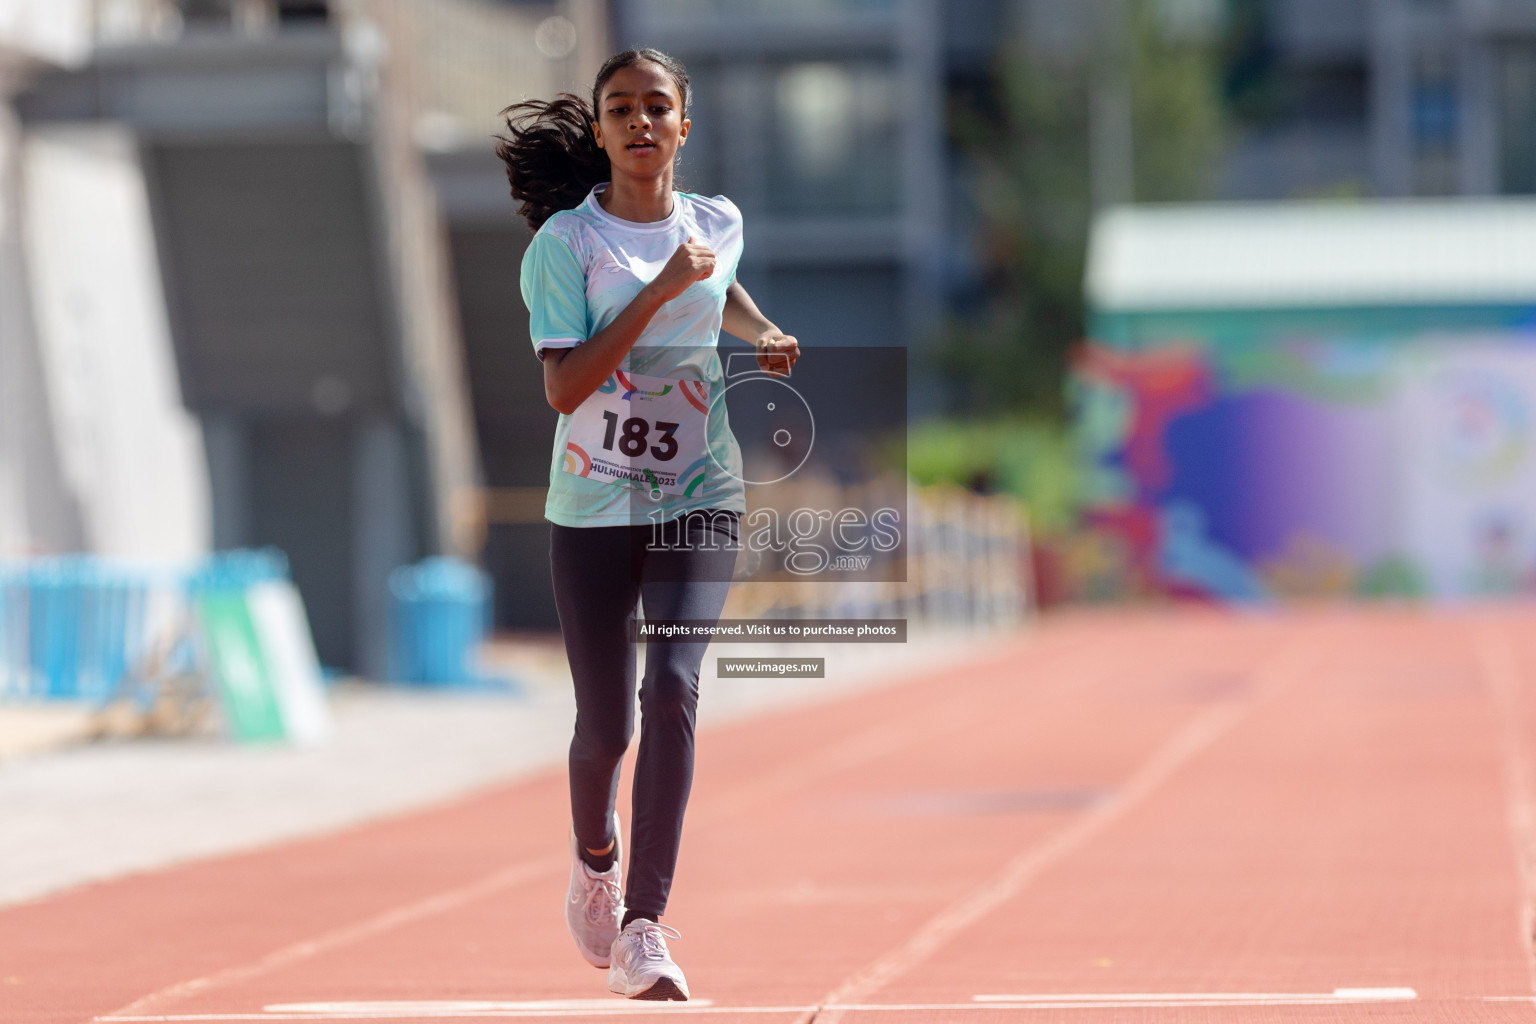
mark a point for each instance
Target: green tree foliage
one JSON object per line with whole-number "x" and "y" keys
{"x": 1032, "y": 461}
{"x": 1176, "y": 105}
{"x": 1029, "y": 188}
{"x": 1027, "y": 146}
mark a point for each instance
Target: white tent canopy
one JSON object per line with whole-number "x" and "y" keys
{"x": 1313, "y": 254}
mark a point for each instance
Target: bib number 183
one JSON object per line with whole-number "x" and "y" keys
{"x": 643, "y": 432}
{"x": 633, "y": 436}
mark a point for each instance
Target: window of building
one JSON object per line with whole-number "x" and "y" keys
{"x": 835, "y": 139}
{"x": 1433, "y": 122}
{"x": 1517, "y": 120}
{"x": 777, "y": 9}
{"x": 699, "y": 168}
{"x": 843, "y": 304}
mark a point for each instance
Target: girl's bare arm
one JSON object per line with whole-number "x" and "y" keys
{"x": 776, "y": 351}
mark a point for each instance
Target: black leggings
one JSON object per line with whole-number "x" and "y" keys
{"x": 599, "y": 573}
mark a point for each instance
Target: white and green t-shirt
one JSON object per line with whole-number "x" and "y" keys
{"x": 651, "y": 442}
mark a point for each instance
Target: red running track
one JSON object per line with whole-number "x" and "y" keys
{"x": 1159, "y": 817}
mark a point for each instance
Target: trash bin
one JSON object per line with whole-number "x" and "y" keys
{"x": 439, "y": 615}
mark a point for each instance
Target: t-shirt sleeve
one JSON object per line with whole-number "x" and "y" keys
{"x": 555, "y": 291}
{"x": 736, "y": 232}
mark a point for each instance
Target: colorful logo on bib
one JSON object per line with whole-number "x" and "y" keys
{"x": 694, "y": 474}
{"x": 630, "y": 390}
{"x": 636, "y": 430}
{"x": 696, "y": 391}
{"x": 576, "y": 460}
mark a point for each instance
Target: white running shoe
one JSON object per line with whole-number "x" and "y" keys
{"x": 594, "y": 904}
{"x": 641, "y": 967}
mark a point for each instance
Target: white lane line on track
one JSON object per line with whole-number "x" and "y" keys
{"x": 625, "y": 1009}
{"x": 1185, "y": 745}
{"x": 445, "y": 901}
{"x": 193, "y": 1018}
{"x": 1348, "y": 995}
{"x": 440, "y": 1006}
{"x": 1501, "y": 671}
{"x": 483, "y": 1009}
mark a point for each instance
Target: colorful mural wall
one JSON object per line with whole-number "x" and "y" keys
{"x": 1261, "y": 468}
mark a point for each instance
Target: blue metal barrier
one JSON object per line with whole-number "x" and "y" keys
{"x": 74, "y": 627}
{"x": 239, "y": 569}
{"x": 439, "y": 615}
{"x": 69, "y": 627}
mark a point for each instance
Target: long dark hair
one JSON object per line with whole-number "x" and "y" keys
{"x": 550, "y": 151}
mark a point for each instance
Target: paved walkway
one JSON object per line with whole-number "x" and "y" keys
{"x": 1175, "y": 817}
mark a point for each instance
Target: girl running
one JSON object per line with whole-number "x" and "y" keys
{"x": 628, "y": 284}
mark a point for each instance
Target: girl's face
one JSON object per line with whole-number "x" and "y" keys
{"x": 640, "y": 122}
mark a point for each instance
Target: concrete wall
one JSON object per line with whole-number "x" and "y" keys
{"x": 37, "y": 510}
{"x": 131, "y": 454}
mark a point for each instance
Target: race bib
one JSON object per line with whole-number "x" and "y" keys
{"x": 649, "y": 432}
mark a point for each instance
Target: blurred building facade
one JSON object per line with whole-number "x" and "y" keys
{"x": 97, "y": 451}
{"x": 824, "y": 122}
{"x": 563, "y": 43}
{"x": 239, "y": 266}
{"x": 1339, "y": 97}
{"x": 37, "y": 508}
{"x": 1382, "y": 97}
{"x": 1454, "y": 97}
